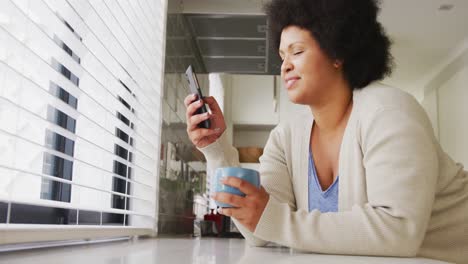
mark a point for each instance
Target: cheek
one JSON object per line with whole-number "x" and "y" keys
{"x": 318, "y": 71}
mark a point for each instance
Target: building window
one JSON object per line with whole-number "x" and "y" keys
{"x": 122, "y": 135}
{"x": 60, "y": 118}
{"x": 120, "y": 169}
{"x": 67, "y": 49}
{"x": 129, "y": 175}
{"x": 61, "y": 168}
{"x": 56, "y": 191}
{"x": 63, "y": 95}
{"x": 68, "y": 26}
{"x": 125, "y": 103}
{"x": 65, "y": 72}
{"x": 57, "y": 166}
{"x": 119, "y": 185}
{"x": 114, "y": 219}
{"x": 89, "y": 218}
{"x": 59, "y": 143}
{"x": 121, "y": 152}
{"x": 118, "y": 201}
{"x": 123, "y": 118}
{"x": 33, "y": 214}
{"x": 125, "y": 86}
{"x": 3, "y": 212}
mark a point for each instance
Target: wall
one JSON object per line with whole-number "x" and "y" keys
{"x": 453, "y": 121}
{"x": 445, "y": 100}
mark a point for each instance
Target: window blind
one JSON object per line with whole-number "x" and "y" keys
{"x": 80, "y": 117}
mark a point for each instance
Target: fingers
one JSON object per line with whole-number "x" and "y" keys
{"x": 243, "y": 186}
{"x": 192, "y": 108}
{"x": 199, "y": 134}
{"x": 232, "y": 212}
{"x": 197, "y": 119}
{"x": 227, "y": 198}
{"x": 212, "y": 103}
{"x": 189, "y": 99}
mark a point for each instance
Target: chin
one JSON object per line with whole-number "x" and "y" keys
{"x": 296, "y": 98}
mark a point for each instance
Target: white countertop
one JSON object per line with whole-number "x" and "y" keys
{"x": 186, "y": 250}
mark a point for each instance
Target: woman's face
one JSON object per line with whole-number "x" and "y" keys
{"x": 307, "y": 72}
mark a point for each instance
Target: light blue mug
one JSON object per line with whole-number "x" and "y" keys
{"x": 252, "y": 176}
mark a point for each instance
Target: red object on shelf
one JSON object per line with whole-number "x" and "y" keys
{"x": 210, "y": 216}
{"x": 218, "y": 218}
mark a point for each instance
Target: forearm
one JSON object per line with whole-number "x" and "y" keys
{"x": 362, "y": 231}
{"x": 220, "y": 154}
{"x": 249, "y": 236}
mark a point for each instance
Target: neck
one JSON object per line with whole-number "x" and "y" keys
{"x": 333, "y": 109}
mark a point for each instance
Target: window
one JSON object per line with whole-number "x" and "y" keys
{"x": 125, "y": 86}
{"x": 65, "y": 72}
{"x": 89, "y": 218}
{"x": 60, "y": 118}
{"x": 3, "y": 212}
{"x": 68, "y": 26}
{"x": 121, "y": 152}
{"x": 122, "y": 135}
{"x": 129, "y": 175}
{"x": 57, "y": 166}
{"x": 56, "y": 191}
{"x": 42, "y": 94}
{"x": 63, "y": 95}
{"x": 114, "y": 219}
{"x": 124, "y": 103}
{"x": 120, "y": 169}
{"x": 123, "y": 119}
{"x": 67, "y": 49}
{"x": 118, "y": 202}
{"x": 59, "y": 143}
{"x": 32, "y": 214}
{"x": 118, "y": 185}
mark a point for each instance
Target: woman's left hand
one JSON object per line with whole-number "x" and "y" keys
{"x": 247, "y": 210}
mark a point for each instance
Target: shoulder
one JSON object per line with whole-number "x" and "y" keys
{"x": 379, "y": 96}
{"x": 385, "y": 109}
{"x": 378, "y": 99}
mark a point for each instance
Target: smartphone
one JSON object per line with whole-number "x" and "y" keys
{"x": 195, "y": 89}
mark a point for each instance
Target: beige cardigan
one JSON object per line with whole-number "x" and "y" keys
{"x": 399, "y": 193}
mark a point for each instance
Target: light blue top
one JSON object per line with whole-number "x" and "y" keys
{"x": 324, "y": 201}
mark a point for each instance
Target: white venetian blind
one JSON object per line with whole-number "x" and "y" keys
{"x": 80, "y": 117}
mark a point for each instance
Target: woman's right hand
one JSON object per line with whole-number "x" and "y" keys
{"x": 202, "y": 137}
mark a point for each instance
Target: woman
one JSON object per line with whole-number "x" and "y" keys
{"x": 364, "y": 174}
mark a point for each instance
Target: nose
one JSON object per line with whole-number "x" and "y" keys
{"x": 286, "y": 66}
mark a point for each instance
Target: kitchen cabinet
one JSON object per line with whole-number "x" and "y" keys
{"x": 254, "y": 100}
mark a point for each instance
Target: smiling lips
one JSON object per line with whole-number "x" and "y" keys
{"x": 291, "y": 81}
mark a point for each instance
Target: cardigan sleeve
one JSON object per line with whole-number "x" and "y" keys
{"x": 222, "y": 154}
{"x": 401, "y": 168}
{"x": 275, "y": 178}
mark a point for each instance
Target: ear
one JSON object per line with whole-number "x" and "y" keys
{"x": 338, "y": 63}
